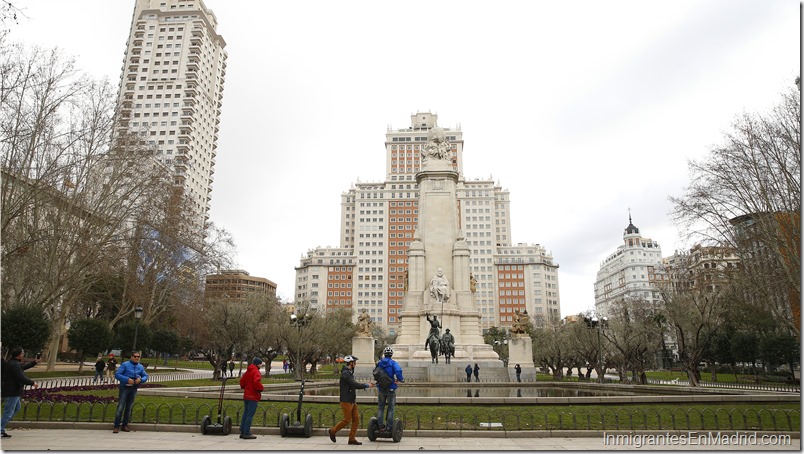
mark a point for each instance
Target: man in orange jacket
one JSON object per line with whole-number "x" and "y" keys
{"x": 250, "y": 383}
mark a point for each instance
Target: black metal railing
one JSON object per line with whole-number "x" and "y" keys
{"x": 49, "y": 383}
{"x": 775, "y": 387}
{"x": 269, "y": 415}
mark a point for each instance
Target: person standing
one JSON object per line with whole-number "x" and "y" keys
{"x": 387, "y": 397}
{"x": 477, "y": 372}
{"x": 231, "y": 367}
{"x": 14, "y": 381}
{"x": 111, "y": 368}
{"x": 348, "y": 401}
{"x": 251, "y": 385}
{"x": 468, "y": 372}
{"x": 518, "y": 370}
{"x": 130, "y": 374}
{"x": 100, "y": 366}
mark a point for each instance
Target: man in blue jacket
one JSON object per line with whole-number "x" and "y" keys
{"x": 130, "y": 374}
{"x": 388, "y": 396}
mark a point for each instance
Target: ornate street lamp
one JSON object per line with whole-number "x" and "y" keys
{"x": 137, "y": 316}
{"x": 598, "y": 325}
{"x": 300, "y": 321}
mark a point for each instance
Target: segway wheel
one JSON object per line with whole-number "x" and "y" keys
{"x": 373, "y": 428}
{"x": 284, "y": 423}
{"x": 206, "y": 421}
{"x": 308, "y": 426}
{"x": 227, "y": 425}
{"x": 396, "y": 430}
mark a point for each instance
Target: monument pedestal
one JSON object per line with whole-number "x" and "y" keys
{"x": 363, "y": 349}
{"x": 520, "y": 351}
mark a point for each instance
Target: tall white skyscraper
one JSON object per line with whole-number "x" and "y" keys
{"x": 368, "y": 271}
{"x": 171, "y": 91}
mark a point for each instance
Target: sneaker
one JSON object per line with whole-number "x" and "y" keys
{"x": 125, "y": 429}
{"x": 355, "y": 442}
{"x": 5, "y": 435}
{"x": 115, "y": 430}
{"x": 331, "y": 435}
{"x": 248, "y": 437}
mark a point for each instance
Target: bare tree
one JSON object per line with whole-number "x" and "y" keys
{"x": 551, "y": 344}
{"x": 695, "y": 303}
{"x": 632, "y": 334}
{"x": 61, "y": 214}
{"x": 754, "y": 179}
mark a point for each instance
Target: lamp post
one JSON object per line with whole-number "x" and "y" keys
{"x": 502, "y": 344}
{"x": 137, "y": 316}
{"x": 300, "y": 322}
{"x": 598, "y": 325}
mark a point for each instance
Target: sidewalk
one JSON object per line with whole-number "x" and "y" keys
{"x": 141, "y": 440}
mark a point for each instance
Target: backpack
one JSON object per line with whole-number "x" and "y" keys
{"x": 382, "y": 378}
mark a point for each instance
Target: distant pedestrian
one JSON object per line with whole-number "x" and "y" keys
{"x": 468, "y": 372}
{"x": 130, "y": 374}
{"x": 252, "y": 386}
{"x": 285, "y": 365}
{"x": 518, "y": 370}
{"x": 13, "y": 383}
{"x": 231, "y": 367}
{"x": 477, "y": 372}
{"x": 348, "y": 401}
{"x": 100, "y": 365}
{"x": 223, "y": 369}
{"x": 111, "y": 368}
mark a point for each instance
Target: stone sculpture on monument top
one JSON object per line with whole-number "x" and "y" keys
{"x": 437, "y": 146}
{"x": 439, "y": 287}
{"x": 521, "y": 322}
{"x": 364, "y": 324}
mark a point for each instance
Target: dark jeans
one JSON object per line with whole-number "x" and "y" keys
{"x": 249, "y": 410}
{"x": 125, "y": 403}
{"x": 386, "y": 398}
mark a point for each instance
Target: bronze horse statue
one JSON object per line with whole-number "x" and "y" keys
{"x": 434, "y": 345}
{"x": 447, "y": 350}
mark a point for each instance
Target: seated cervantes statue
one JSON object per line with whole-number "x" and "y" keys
{"x": 439, "y": 287}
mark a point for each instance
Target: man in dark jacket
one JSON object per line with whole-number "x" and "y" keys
{"x": 14, "y": 381}
{"x": 130, "y": 374}
{"x": 348, "y": 401}
{"x": 100, "y": 366}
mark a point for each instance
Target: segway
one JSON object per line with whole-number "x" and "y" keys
{"x": 374, "y": 431}
{"x": 286, "y": 428}
{"x": 220, "y": 427}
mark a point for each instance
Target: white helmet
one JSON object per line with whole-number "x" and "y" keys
{"x": 349, "y": 359}
{"x": 388, "y": 352}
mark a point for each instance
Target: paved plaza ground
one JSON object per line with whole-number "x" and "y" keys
{"x": 26, "y": 439}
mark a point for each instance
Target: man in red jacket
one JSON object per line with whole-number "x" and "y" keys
{"x": 250, "y": 383}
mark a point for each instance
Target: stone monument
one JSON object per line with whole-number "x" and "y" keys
{"x": 520, "y": 348}
{"x": 438, "y": 277}
{"x": 363, "y": 344}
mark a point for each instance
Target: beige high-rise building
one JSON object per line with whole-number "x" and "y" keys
{"x": 171, "y": 90}
{"x": 369, "y": 269}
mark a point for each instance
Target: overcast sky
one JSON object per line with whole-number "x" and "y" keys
{"x": 581, "y": 109}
